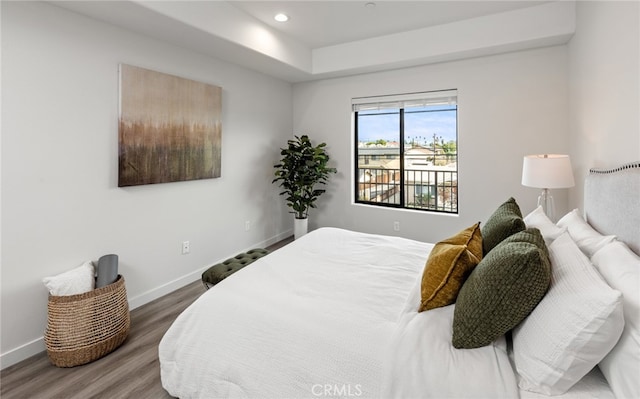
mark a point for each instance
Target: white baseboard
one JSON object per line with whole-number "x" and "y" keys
{"x": 22, "y": 352}
{"x": 164, "y": 289}
{"x": 36, "y": 346}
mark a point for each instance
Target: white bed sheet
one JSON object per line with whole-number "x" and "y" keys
{"x": 327, "y": 315}
{"x": 342, "y": 292}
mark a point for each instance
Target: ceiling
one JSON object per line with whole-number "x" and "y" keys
{"x": 325, "y": 23}
{"x": 326, "y": 39}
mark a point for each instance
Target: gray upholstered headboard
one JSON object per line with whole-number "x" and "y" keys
{"x": 612, "y": 202}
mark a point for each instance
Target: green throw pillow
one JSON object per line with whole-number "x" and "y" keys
{"x": 531, "y": 235}
{"x": 505, "y": 221}
{"x": 501, "y": 291}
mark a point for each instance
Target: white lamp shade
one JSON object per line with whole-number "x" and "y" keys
{"x": 547, "y": 171}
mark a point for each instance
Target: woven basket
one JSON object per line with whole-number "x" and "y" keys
{"x": 82, "y": 328}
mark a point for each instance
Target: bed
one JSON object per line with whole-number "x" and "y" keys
{"x": 335, "y": 314}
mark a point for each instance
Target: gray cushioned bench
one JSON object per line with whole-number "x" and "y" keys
{"x": 220, "y": 271}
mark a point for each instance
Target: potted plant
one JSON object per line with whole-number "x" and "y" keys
{"x": 301, "y": 168}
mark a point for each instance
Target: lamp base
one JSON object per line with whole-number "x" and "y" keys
{"x": 545, "y": 200}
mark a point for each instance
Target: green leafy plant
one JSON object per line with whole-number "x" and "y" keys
{"x": 301, "y": 168}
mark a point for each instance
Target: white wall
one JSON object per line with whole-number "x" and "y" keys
{"x": 604, "y": 88}
{"x": 60, "y": 200}
{"x": 508, "y": 106}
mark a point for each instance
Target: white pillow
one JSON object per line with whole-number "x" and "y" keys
{"x": 574, "y": 326}
{"x": 75, "y": 281}
{"x": 587, "y": 238}
{"x": 621, "y": 268}
{"x": 538, "y": 219}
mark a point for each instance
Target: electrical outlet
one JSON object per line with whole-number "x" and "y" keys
{"x": 186, "y": 247}
{"x": 247, "y": 225}
{"x": 396, "y": 226}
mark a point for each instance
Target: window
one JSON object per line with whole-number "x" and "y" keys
{"x": 406, "y": 151}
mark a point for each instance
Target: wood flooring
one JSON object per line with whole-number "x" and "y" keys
{"x": 131, "y": 371}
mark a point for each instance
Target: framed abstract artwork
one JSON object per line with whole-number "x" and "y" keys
{"x": 169, "y": 128}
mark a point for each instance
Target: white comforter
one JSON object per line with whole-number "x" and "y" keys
{"x": 329, "y": 315}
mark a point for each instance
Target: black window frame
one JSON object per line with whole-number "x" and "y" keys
{"x": 454, "y": 209}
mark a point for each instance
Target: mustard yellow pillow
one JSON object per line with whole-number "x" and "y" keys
{"x": 448, "y": 266}
{"x": 471, "y": 237}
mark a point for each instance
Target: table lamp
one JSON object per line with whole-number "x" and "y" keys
{"x": 547, "y": 171}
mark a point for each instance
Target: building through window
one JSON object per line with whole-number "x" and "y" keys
{"x": 406, "y": 151}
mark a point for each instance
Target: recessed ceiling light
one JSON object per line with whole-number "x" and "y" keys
{"x": 281, "y": 17}
{"x": 370, "y": 5}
